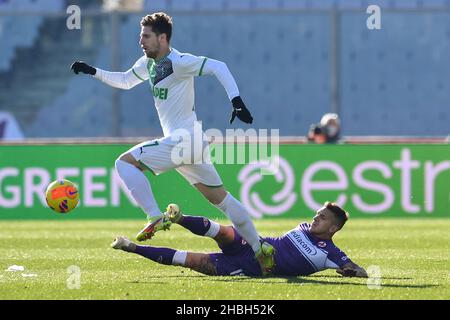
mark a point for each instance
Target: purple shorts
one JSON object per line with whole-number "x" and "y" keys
{"x": 237, "y": 258}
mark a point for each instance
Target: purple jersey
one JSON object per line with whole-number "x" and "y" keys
{"x": 298, "y": 253}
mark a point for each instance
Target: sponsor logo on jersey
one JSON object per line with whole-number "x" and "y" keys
{"x": 160, "y": 93}
{"x": 306, "y": 247}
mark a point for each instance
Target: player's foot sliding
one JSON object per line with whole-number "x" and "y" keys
{"x": 122, "y": 243}
{"x": 161, "y": 255}
{"x": 157, "y": 223}
{"x": 265, "y": 256}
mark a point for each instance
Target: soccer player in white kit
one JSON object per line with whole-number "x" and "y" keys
{"x": 171, "y": 78}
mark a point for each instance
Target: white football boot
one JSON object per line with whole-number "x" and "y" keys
{"x": 124, "y": 244}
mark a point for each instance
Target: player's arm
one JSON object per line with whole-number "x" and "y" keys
{"x": 190, "y": 65}
{"x": 122, "y": 80}
{"x": 351, "y": 269}
{"x": 220, "y": 70}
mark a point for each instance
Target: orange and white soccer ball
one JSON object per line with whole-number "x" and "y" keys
{"x": 62, "y": 196}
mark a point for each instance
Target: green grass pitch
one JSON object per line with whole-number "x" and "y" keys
{"x": 412, "y": 255}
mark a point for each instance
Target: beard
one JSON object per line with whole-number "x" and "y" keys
{"x": 153, "y": 53}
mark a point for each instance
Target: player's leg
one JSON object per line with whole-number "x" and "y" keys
{"x": 199, "y": 262}
{"x": 205, "y": 227}
{"x": 131, "y": 173}
{"x": 264, "y": 252}
{"x": 206, "y": 179}
{"x": 154, "y": 156}
{"x": 234, "y": 210}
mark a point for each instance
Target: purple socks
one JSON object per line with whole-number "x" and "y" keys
{"x": 160, "y": 255}
{"x": 197, "y": 225}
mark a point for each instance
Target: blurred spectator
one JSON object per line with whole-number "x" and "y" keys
{"x": 327, "y": 131}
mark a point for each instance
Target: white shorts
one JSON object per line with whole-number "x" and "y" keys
{"x": 161, "y": 155}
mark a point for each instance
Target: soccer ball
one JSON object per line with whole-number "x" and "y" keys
{"x": 62, "y": 196}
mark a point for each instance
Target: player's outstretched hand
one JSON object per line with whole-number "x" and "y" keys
{"x": 346, "y": 272}
{"x": 80, "y": 66}
{"x": 240, "y": 111}
{"x": 355, "y": 271}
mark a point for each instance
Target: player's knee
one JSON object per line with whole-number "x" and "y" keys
{"x": 128, "y": 158}
{"x": 222, "y": 232}
{"x": 117, "y": 163}
{"x": 225, "y": 234}
{"x": 200, "y": 263}
{"x": 206, "y": 266}
{"x": 216, "y": 196}
{"x": 213, "y": 199}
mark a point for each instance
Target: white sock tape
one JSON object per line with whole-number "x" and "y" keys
{"x": 179, "y": 258}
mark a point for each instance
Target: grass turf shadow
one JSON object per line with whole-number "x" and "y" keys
{"x": 288, "y": 280}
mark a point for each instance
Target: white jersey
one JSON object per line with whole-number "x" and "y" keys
{"x": 171, "y": 80}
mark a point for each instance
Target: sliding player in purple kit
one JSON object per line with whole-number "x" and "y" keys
{"x": 302, "y": 251}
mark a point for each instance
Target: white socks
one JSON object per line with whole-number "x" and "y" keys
{"x": 139, "y": 186}
{"x": 213, "y": 230}
{"x": 241, "y": 220}
{"x": 179, "y": 258}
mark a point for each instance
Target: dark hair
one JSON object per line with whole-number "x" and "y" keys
{"x": 340, "y": 214}
{"x": 160, "y": 22}
{"x": 317, "y": 129}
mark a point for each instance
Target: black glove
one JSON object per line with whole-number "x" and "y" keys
{"x": 240, "y": 111}
{"x": 80, "y": 66}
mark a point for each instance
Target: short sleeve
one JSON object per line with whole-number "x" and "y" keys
{"x": 140, "y": 69}
{"x": 338, "y": 257}
{"x": 189, "y": 65}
